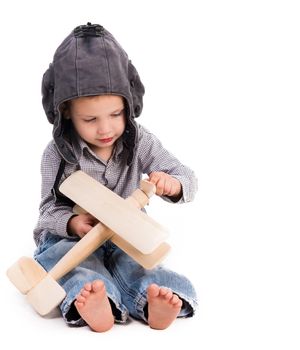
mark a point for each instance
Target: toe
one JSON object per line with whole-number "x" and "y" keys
{"x": 88, "y": 286}
{"x": 163, "y": 291}
{"x": 153, "y": 290}
{"x": 78, "y": 304}
{"x": 97, "y": 285}
{"x": 80, "y": 298}
{"x": 174, "y": 300}
{"x": 168, "y": 296}
{"x": 179, "y": 303}
{"x": 85, "y": 293}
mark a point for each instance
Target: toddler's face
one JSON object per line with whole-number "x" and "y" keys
{"x": 99, "y": 120}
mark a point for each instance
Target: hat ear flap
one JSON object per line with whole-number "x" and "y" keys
{"x": 48, "y": 93}
{"x": 137, "y": 90}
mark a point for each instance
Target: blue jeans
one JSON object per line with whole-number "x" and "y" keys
{"x": 125, "y": 280}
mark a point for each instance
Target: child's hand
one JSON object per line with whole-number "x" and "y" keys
{"x": 81, "y": 224}
{"x": 166, "y": 185}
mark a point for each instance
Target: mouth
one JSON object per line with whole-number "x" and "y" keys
{"x": 107, "y": 140}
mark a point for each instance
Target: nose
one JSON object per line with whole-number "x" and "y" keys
{"x": 103, "y": 127}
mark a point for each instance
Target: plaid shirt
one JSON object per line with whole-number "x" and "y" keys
{"x": 115, "y": 174}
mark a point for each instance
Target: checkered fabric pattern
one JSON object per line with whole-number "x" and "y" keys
{"x": 115, "y": 174}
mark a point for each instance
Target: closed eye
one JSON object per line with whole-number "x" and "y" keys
{"x": 117, "y": 114}
{"x": 89, "y": 120}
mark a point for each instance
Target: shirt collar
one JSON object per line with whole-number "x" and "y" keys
{"x": 80, "y": 145}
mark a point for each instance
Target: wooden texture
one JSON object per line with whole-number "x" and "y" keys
{"x": 42, "y": 290}
{"x": 101, "y": 233}
{"x": 148, "y": 261}
{"x": 81, "y": 250}
{"x": 130, "y": 223}
{"x": 25, "y": 274}
{"x": 46, "y": 295}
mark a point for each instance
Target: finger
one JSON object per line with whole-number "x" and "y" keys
{"x": 154, "y": 177}
{"x": 176, "y": 188}
{"x": 168, "y": 188}
{"x": 85, "y": 228}
{"x": 90, "y": 219}
{"x": 160, "y": 186}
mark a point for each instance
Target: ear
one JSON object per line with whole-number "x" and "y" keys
{"x": 65, "y": 110}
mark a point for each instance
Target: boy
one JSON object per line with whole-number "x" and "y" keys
{"x": 91, "y": 94}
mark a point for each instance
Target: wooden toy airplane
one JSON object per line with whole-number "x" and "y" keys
{"x": 121, "y": 221}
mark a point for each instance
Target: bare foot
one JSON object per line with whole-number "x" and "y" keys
{"x": 94, "y": 307}
{"x": 163, "y": 306}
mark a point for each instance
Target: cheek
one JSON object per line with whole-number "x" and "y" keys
{"x": 83, "y": 129}
{"x": 122, "y": 124}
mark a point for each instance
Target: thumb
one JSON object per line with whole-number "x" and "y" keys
{"x": 153, "y": 178}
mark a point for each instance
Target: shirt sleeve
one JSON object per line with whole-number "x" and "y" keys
{"x": 53, "y": 216}
{"x": 154, "y": 157}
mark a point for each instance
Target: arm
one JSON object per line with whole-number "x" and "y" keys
{"x": 53, "y": 216}
{"x": 156, "y": 161}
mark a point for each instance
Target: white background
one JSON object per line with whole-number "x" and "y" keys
{"x": 222, "y": 85}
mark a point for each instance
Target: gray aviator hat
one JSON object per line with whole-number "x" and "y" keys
{"x": 90, "y": 62}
